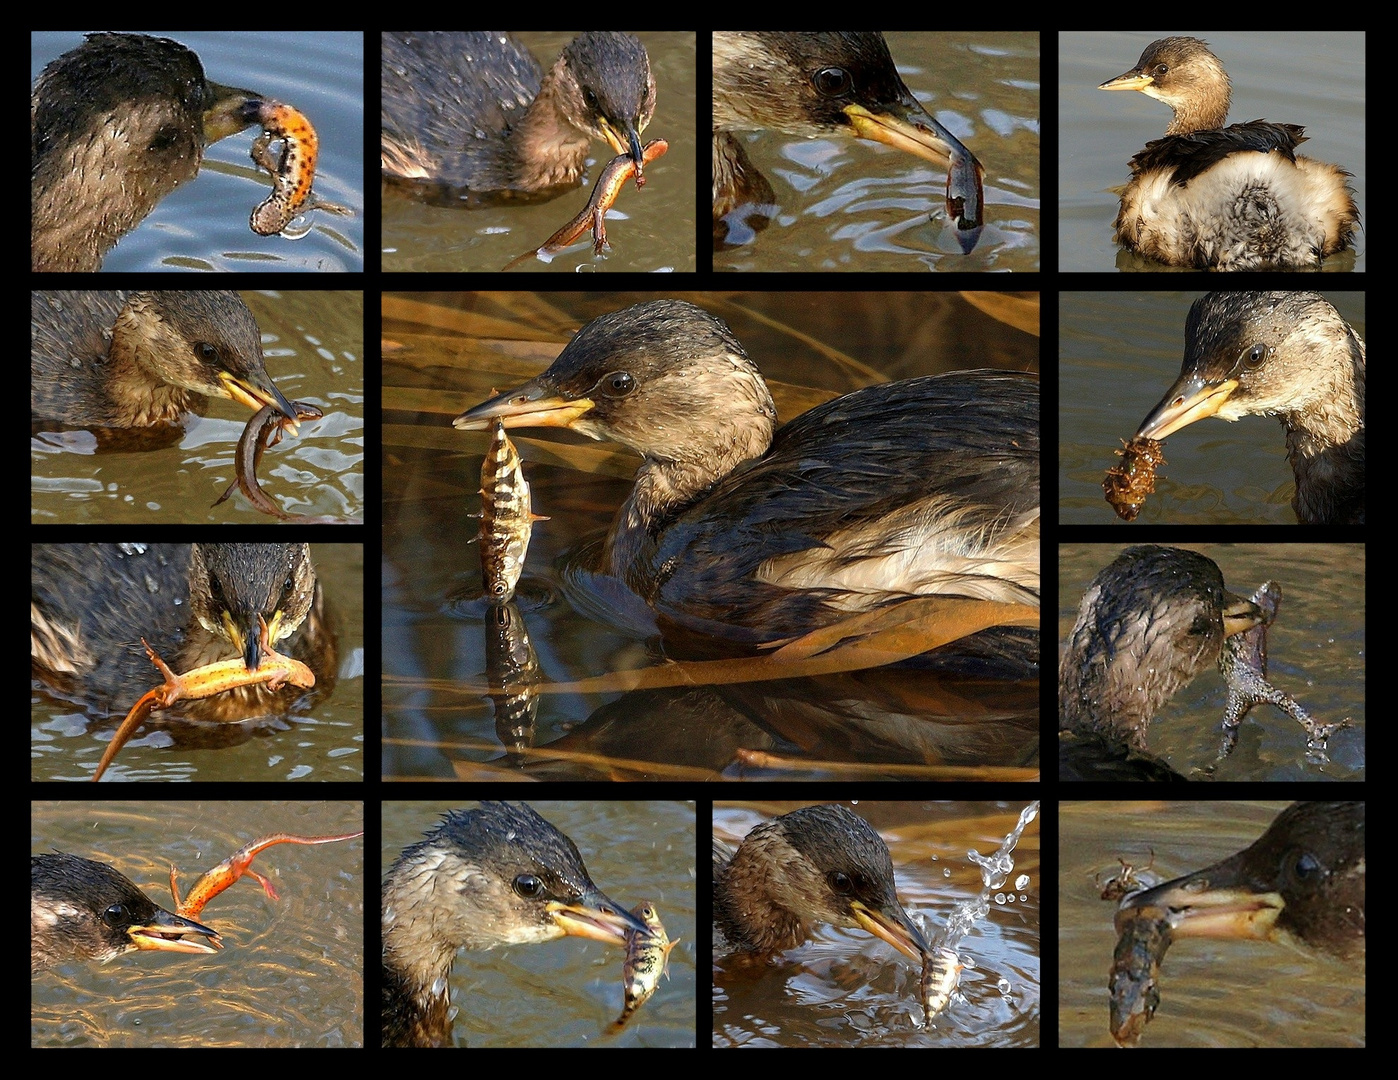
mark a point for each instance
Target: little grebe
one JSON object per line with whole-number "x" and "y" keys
{"x": 116, "y": 125}
{"x": 1234, "y": 198}
{"x": 472, "y": 115}
{"x": 142, "y": 359}
{"x": 920, "y": 487}
{"x": 819, "y": 864}
{"x": 814, "y": 84}
{"x": 1147, "y": 625}
{"x": 84, "y": 910}
{"x": 1302, "y": 880}
{"x": 1284, "y": 354}
{"x": 196, "y": 604}
{"x": 485, "y": 878}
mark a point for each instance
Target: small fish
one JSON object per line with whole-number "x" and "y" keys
{"x": 941, "y": 970}
{"x": 506, "y": 519}
{"x": 1145, "y": 937}
{"x": 647, "y": 956}
{"x": 965, "y": 195}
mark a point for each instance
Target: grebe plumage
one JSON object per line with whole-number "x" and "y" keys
{"x": 1284, "y": 354}
{"x": 1225, "y": 198}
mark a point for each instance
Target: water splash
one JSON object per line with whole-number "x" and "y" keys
{"x": 942, "y": 966}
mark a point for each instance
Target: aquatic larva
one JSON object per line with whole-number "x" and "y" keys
{"x": 1128, "y": 482}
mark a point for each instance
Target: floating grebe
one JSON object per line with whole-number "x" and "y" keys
{"x": 1302, "y": 880}
{"x": 485, "y": 878}
{"x": 91, "y": 604}
{"x": 1147, "y": 625}
{"x": 816, "y": 865}
{"x": 817, "y": 84}
{"x": 83, "y": 910}
{"x": 472, "y": 116}
{"x": 925, "y": 486}
{"x": 142, "y": 359}
{"x": 116, "y": 125}
{"x": 1283, "y": 354}
{"x": 1216, "y": 198}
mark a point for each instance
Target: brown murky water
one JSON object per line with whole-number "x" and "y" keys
{"x": 649, "y": 230}
{"x": 437, "y": 719}
{"x": 853, "y": 205}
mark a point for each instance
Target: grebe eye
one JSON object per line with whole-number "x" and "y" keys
{"x": 1162, "y": 69}
{"x": 1308, "y": 867}
{"x": 1255, "y": 355}
{"x": 840, "y": 881}
{"x": 833, "y": 81}
{"x": 618, "y": 384}
{"x": 115, "y": 915}
{"x": 529, "y": 885}
{"x": 206, "y": 352}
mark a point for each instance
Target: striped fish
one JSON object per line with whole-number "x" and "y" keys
{"x": 941, "y": 969}
{"x": 647, "y": 957}
{"x": 506, "y": 520}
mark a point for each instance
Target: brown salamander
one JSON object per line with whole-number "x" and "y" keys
{"x": 604, "y": 196}
{"x": 265, "y": 429}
